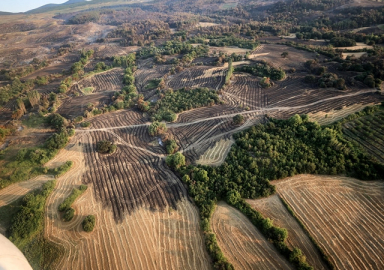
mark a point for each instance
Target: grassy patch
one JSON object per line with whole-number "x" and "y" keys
{"x": 153, "y": 84}
{"x": 34, "y": 121}
{"x": 87, "y": 90}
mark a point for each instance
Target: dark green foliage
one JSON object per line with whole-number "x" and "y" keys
{"x": 230, "y": 72}
{"x": 76, "y": 192}
{"x": 106, "y": 147}
{"x": 57, "y": 141}
{"x": 157, "y": 128}
{"x": 238, "y": 119}
{"x": 69, "y": 214}
{"x": 62, "y": 169}
{"x": 30, "y": 219}
{"x": 85, "y": 124}
{"x": 85, "y": 17}
{"x": 128, "y": 60}
{"x": 183, "y": 100}
{"x": 262, "y": 69}
{"x": 171, "y": 146}
{"x": 175, "y": 161}
{"x": 89, "y": 223}
{"x": 4, "y": 132}
{"x": 56, "y": 121}
{"x": 342, "y": 42}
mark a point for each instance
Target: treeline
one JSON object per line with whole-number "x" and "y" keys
{"x": 263, "y": 69}
{"x": 222, "y": 41}
{"x": 172, "y": 102}
{"x": 66, "y": 206}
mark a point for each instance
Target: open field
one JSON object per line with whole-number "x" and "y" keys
{"x": 359, "y": 46}
{"x": 356, "y": 54}
{"x": 243, "y": 245}
{"x": 146, "y": 239}
{"x": 271, "y": 53}
{"x": 342, "y": 214}
{"x": 272, "y": 207}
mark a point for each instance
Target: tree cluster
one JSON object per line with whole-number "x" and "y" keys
{"x": 66, "y": 206}
{"x": 172, "y": 102}
{"x": 106, "y": 147}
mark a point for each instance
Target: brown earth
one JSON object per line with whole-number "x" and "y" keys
{"x": 343, "y": 215}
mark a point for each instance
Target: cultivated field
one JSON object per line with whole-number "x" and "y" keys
{"x": 326, "y": 118}
{"x": 147, "y": 238}
{"x": 342, "y": 214}
{"x": 216, "y": 155}
{"x": 209, "y": 77}
{"x": 76, "y": 106}
{"x": 272, "y": 207}
{"x": 368, "y": 132}
{"x": 111, "y": 80}
{"x": 243, "y": 245}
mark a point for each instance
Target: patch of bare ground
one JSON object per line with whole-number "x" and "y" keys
{"x": 76, "y": 106}
{"x": 359, "y": 46}
{"x": 243, "y": 245}
{"x": 144, "y": 239}
{"x": 342, "y": 214}
{"x": 210, "y": 77}
{"x": 273, "y": 208}
{"x": 326, "y": 118}
{"x": 271, "y": 53}
{"x": 356, "y": 54}
{"x": 227, "y": 50}
{"x": 111, "y": 80}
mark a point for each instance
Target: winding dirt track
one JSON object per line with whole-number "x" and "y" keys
{"x": 145, "y": 239}
{"x": 243, "y": 245}
{"x": 273, "y": 208}
{"x": 344, "y": 215}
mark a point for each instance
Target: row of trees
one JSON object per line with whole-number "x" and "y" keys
{"x": 66, "y": 206}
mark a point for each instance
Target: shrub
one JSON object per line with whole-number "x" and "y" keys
{"x": 85, "y": 124}
{"x": 171, "y": 146}
{"x": 69, "y": 214}
{"x": 76, "y": 192}
{"x": 175, "y": 161}
{"x": 106, "y": 147}
{"x": 157, "y": 128}
{"x": 89, "y": 223}
{"x": 238, "y": 119}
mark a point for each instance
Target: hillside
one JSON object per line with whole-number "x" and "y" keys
{"x": 193, "y": 134}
